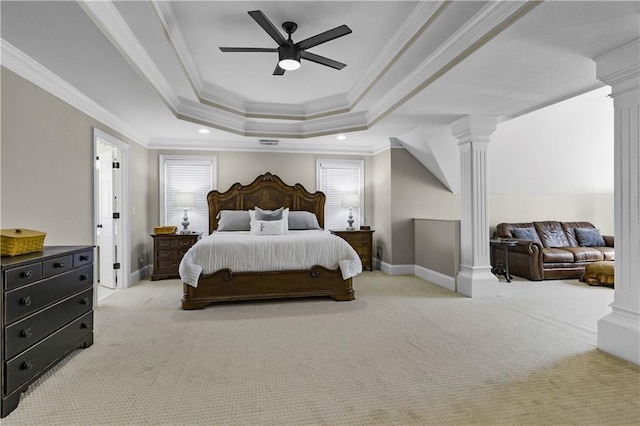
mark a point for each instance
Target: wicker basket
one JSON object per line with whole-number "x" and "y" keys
{"x": 161, "y": 230}
{"x": 21, "y": 241}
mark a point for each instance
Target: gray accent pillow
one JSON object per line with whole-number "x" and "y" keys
{"x": 526, "y": 234}
{"x": 589, "y": 237}
{"x": 234, "y": 220}
{"x": 300, "y": 220}
{"x": 269, "y": 214}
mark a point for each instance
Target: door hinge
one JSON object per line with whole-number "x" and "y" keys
{"x": 116, "y": 265}
{"x": 116, "y": 215}
{"x": 116, "y": 165}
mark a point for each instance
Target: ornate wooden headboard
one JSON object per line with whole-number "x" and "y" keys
{"x": 268, "y": 192}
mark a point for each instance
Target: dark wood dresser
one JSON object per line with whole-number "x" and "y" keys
{"x": 362, "y": 243}
{"x": 168, "y": 250}
{"x": 46, "y": 312}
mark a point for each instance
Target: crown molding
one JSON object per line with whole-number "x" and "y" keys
{"x": 23, "y": 65}
{"x": 107, "y": 18}
{"x": 284, "y": 147}
{"x": 217, "y": 97}
{"x": 485, "y": 25}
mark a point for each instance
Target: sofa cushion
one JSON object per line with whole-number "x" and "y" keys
{"x": 607, "y": 252}
{"x": 557, "y": 255}
{"x": 585, "y": 254}
{"x": 569, "y": 229}
{"x": 589, "y": 237}
{"x": 526, "y": 234}
{"x": 551, "y": 234}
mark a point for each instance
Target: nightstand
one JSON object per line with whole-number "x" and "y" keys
{"x": 168, "y": 250}
{"x": 362, "y": 243}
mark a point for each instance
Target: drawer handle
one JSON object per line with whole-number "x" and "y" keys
{"x": 26, "y": 333}
{"x": 85, "y": 301}
{"x": 26, "y": 301}
{"x": 84, "y": 325}
{"x": 84, "y": 257}
{"x": 58, "y": 265}
{"x": 27, "y": 365}
{"x": 84, "y": 277}
{"x": 26, "y": 274}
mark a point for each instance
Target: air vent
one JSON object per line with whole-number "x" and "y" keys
{"x": 268, "y": 141}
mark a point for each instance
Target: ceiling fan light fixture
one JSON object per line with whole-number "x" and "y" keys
{"x": 289, "y": 64}
{"x": 289, "y": 58}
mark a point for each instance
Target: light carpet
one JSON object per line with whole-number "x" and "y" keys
{"x": 404, "y": 352}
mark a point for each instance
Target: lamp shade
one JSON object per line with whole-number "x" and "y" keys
{"x": 184, "y": 199}
{"x": 350, "y": 200}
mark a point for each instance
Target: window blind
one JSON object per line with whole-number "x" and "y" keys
{"x": 336, "y": 178}
{"x": 191, "y": 175}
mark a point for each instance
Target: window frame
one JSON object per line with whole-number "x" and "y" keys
{"x": 347, "y": 164}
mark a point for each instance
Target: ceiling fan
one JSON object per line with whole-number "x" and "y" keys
{"x": 290, "y": 53}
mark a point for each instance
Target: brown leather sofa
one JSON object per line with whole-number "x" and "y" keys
{"x": 555, "y": 254}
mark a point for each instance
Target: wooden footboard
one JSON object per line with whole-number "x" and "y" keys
{"x": 225, "y": 285}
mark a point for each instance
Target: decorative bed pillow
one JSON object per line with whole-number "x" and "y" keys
{"x": 234, "y": 220}
{"x": 301, "y": 220}
{"x": 259, "y": 213}
{"x": 269, "y": 214}
{"x": 526, "y": 234}
{"x": 267, "y": 227}
{"x": 589, "y": 237}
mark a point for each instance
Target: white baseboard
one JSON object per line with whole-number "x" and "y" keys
{"x": 435, "y": 277}
{"x": 395, "y": 269}
{"x": 140, "y": 274}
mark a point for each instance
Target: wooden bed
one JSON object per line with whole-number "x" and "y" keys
{"x": 267, "y": 192}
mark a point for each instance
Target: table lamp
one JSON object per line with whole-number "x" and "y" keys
{"x": 350, "y": 201}
{"x": 184, "y": 200}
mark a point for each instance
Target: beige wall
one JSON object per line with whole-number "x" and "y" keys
{"x": 595, "y": 208}
{"x": 416, "y": 193}
{"x": 437, "y": 245}
{"x": 244, "y": 167}
{"x": 381, "y": 223}
{"x": 47, "y": 168}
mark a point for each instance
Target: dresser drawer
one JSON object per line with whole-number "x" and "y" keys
{"x": 169, "y": 264}
{"x": 179, "y": 243}
{"x": 57, "y": 266}
{"x": 83, "y": 258}
{"x": 24, "y": 333}
{"x": 28, "y": 299}
{"x": 29, "y": 363}
{"x": 23, "y": 275}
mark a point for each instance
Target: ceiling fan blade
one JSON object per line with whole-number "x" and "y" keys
{"x": 268, "y": 26}
{"x": 322, "y": 60}
{"x": 278, "y": 71}
{"x": 249, "y": 49}
{"x": 324, "y": 37}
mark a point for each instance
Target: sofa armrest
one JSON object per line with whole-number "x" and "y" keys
{"x": 525, "y": 260}
{"x": 608, "y": 240}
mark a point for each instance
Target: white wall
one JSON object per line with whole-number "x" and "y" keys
{"x": 566, "y": 148}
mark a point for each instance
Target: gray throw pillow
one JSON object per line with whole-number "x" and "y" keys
{"x": 234, "y": 220}
{"x": 269, "y": 214}
{"x": 301, "y": 220}
{"x": 526, "y": 234}
{"x": 589, "y": 237}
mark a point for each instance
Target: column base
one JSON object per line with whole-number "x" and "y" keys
{"x": 619, "y": 334}
{"x": 476, "y": 282}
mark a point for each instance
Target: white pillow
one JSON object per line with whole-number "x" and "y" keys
{"x": 285, "y": 217}
{"x": 268, "y": 227}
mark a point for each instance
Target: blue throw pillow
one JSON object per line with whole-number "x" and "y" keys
{"x": 526, "y": 234}
{"x": 269, "y": 214}
{"x": 589, "y": 237}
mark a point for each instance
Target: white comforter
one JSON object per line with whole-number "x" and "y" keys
{"x": 241, "y": 252}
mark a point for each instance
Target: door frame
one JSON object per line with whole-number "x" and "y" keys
{"x": 125, "y": 215}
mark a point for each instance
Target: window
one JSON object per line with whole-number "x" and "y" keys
{"x": 186, "y": 174}
{"x": 337, "y": 178}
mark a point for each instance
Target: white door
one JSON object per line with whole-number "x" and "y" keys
{"x": 106, "y": 226}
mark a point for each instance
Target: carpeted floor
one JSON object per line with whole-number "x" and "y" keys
{"x": 404, "y": 352}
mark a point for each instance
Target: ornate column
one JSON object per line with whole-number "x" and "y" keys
{"x": 619, "y": 332}
{"x": 474, "y": 278}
